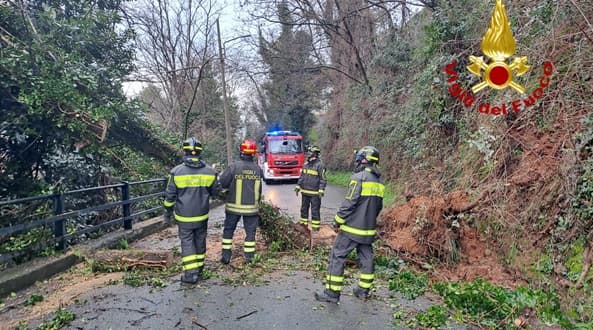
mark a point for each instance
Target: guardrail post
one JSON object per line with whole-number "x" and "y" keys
{"x": 125, "y": 196}
{"x": 59, "y": 225}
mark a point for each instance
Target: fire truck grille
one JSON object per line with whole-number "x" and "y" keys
{"x": 286, "y": 163}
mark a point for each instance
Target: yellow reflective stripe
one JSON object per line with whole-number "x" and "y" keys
{"x": 358, "y": 232}
{"x": 190, "y": 258}
{"x": 194, "y": 180}
{"x": 168, "y": 204}
{"x": 249, "y": 246}
{"x": 367, "y": 276}
{"x": 191, "y": 148}
{"x": 310, "y": 172}
{"x": 256, "y": 191}
{"x": 333, "y": 287}
{"x": 372, "y": 189}
{"x": 241, "y": 208}
{"x": 191, "y": 219}
{"x": 321, "y": 190}
{"x": 238, "y": 190}
{"x": 193, "y": 266}
{"x": 365, "y": 285}
{"x": 311, "y": 192}
{"x": 334, "y": 278}
{"x": 227, "y": 243}
{"x": 339, "y": 219}
{"x": 352, "y": 188}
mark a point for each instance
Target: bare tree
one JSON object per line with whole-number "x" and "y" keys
{"x": 343, "y": 31}
{"x": 175, "y": 44}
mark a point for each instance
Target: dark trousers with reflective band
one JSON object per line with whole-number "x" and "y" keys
{"x": 230, "y": 224}
{"x": 315, "y": 203}
{"x": 193, "y": 244}
{"x": 342, "y": 247}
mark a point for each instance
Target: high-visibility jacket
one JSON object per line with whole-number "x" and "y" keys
{"x": 243, "y": 179}
{"x": 357, "y": 216}
{"x": 189, "y": 188}
{"x": 312, "y": 180}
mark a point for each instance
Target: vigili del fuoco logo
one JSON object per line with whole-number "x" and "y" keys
{"x": 499, "y": 70}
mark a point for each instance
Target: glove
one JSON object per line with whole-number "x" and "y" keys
{"x": 297, "y": 189}
{"x": 321, "y": 193}
{"x": 168, "y": 217}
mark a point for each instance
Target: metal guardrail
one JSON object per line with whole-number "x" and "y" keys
{"x": 59, "y": 216}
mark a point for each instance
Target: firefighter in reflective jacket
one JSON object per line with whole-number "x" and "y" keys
{"x": 243, "y": 180}
{"x": 357, "y": 220}
{"x": 311, "y": 185}
{"x": 187, "y": 199}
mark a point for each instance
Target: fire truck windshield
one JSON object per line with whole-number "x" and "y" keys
{"x": 289, "y": 146}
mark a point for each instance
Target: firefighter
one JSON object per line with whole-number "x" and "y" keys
{"x": 357, "y": 221}
{"x": 187, "y": 200}
{"x": 243, "y": 180}
{"x": 311, "y": 185}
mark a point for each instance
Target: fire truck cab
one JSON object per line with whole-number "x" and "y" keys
{"x": 281, "y": 155}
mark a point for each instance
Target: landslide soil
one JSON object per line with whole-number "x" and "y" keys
{"x": 433, "y": 229}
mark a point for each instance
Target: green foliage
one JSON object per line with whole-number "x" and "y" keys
{"x": 61, "y": 319}
{"x": 62, "y": 63}
{"x": 433, "y": 318}
{"x": 292, "y": 93}
{"x": 33, "y": 299}
{"x": 574, "y": 260}
{"x": 123, "y": 244}
{"x": 276, "y": 228}
{"x": 342, "y": 178}
{"x": 494, "y": 307}
{"x": 387, "y": 267}
{"x": 582, "y": 205}
{"x": 545, "y": 265}
{"x": 409, "y": 283}
{"x": 138, "y": 278}
{"x": 26, "y": 240}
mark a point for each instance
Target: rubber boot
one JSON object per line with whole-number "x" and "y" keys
{"x": 328, "y": 296}
{"x": 191, "y": 276}
{"x": 248, "y": 257}
{"x": 226, "y": 256}
{"x": 361, "y": 293}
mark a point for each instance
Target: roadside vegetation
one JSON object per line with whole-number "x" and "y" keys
{"x": 502, "y": 201}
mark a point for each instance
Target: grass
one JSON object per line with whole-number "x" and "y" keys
{"x": 342, "y": 178}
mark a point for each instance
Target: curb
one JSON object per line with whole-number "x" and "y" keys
{"x": 24, "y": 275}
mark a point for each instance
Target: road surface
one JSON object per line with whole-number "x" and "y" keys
{"x": 279, "y": 299}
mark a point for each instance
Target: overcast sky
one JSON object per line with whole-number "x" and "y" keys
{"x": 230, "y": 27}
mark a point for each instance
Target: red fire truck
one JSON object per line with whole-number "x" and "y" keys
{"x": 281, "y": 155}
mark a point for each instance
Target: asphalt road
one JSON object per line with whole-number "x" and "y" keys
{"x": 282, "y": 299}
